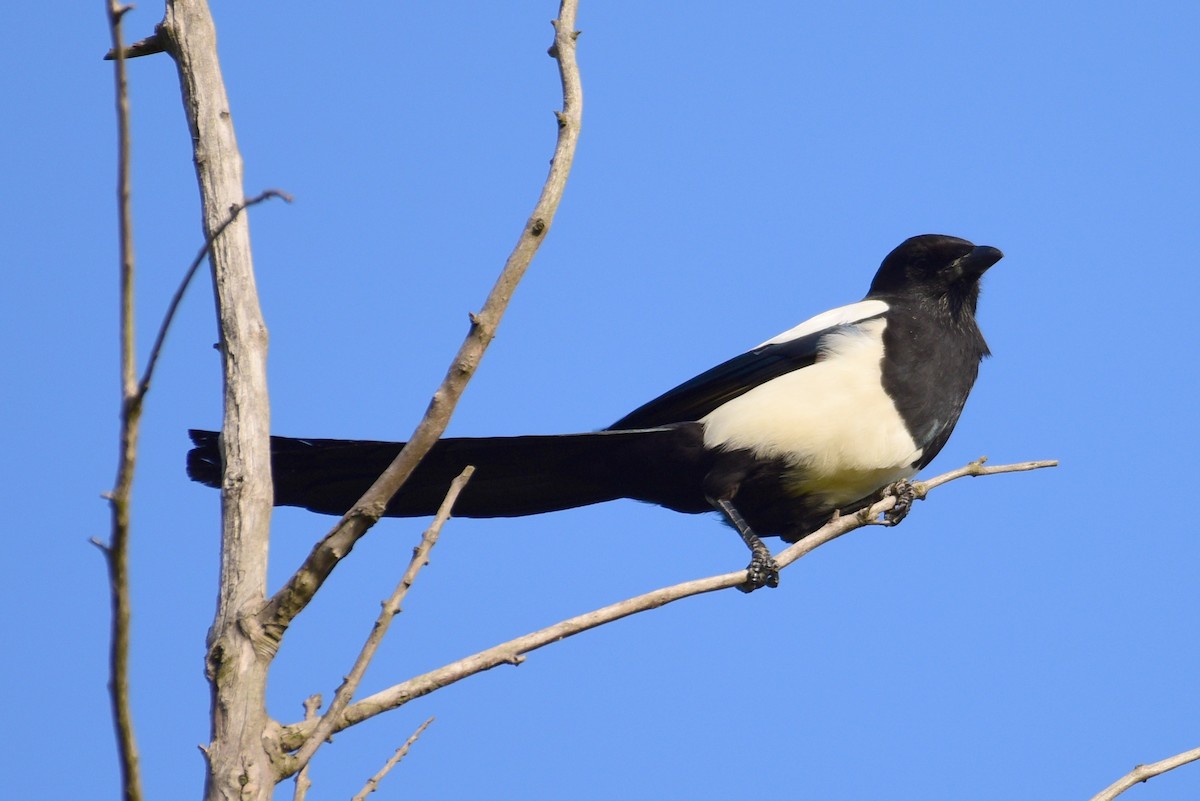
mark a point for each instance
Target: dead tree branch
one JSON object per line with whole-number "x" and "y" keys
{"x": 193, "y": 268}
{"x": 325, "y": 556}
{"x": 391, "y": 608}
{"x": 1144, "y": 773}
{"x": 373, "y": 783}
{"x": 239, "y": 766}
{"x": 311, "y": 705}
{"x": 116, "y": 553}
{"x": 513, "y": 652}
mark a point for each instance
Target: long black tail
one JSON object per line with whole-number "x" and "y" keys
{"x": 514, "y": 476}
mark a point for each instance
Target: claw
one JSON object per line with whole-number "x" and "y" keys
{"x": 905, "y": 493}
{"x": 761, "y": 572}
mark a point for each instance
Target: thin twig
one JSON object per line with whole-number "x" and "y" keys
{"x": 117, "y": 552}
{"x": 373, "y": 783}
{"x": 513, "y": 652}
{"x": 1144, "y": 773}
{"x": 391, "y": 608}
{"x": 311, "y": 705}
{"x": 922, "y": 488}
{"x": 144, "y": 384}
{"x": 277, "y": 614}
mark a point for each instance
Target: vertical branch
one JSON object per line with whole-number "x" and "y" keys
{"x": 239, "y": 765}
{"x": 117, "y": 551}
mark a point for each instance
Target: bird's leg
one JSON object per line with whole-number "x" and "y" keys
{"x": 905, "y": 493}
{"x": 762, "y": 570}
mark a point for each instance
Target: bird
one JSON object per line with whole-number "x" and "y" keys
{"x": 821, "y": 420}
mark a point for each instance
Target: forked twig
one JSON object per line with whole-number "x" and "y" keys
{"x": 391, "y": 608}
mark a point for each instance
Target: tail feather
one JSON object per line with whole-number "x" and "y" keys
{"x": 514, "y": 476}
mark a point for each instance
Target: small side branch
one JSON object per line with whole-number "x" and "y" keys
{"x": 143, "y": 47}
{"x": 303, "y": 783}
{"x": 373, "y": 783}
{"x": 299, "y": 590}
{"x": 1146, "y": 772}
{"x": 513, "y": 652}
{"x": 391, "y": 608}
{"x": 156, "y": 349}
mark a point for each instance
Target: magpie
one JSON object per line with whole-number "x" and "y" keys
{"x": 818, "y": 420}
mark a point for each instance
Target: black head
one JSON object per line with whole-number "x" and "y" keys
{"x": 935, "y": 267}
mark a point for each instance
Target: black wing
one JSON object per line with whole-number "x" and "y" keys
{"x": 693, "y": 399}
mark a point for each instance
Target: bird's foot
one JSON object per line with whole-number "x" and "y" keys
{"x": 905, "y": 493}
{"x": 762, "y": 570}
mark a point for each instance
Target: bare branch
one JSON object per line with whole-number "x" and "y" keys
{"x": 373, "y": 783}
{"x": 304, "y": 583}
{"x": 1146, "y": 772}
{"x": 239, "y": 764}
{"x": 513, "y": 651}
{"x": 391, "y": 608}
{"x": 311, "y": 705}
{"x": 922, "y": 488}
{"x": 156, "y": 349}
{"x": 143, "y": 47}
{"x": 116, "y": 554}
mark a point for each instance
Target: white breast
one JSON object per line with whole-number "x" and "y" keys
{"x": 832, "y": 420}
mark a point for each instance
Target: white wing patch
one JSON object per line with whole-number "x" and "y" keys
{"x": 832, "y": 420}
{"x": 842, "y": 315}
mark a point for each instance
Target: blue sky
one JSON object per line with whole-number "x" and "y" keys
{"x": 741, "y": 168}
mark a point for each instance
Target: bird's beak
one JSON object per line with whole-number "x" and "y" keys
{"x": 975, "y": 263}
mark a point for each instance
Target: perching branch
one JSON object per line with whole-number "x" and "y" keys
{"x": 391, "y": 608}
{"x": 870, "y": 516}
{"x": 116, "y": 553}
{"x": 1146, "y": 772}
{"x": 325, "y": 556}
{"x": 513, "y": 652}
